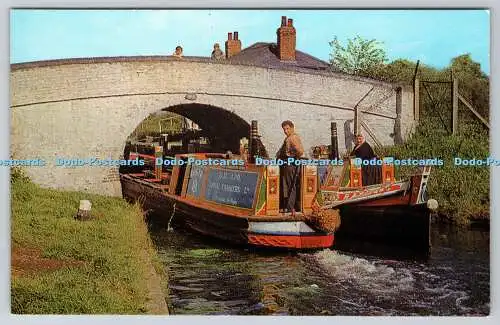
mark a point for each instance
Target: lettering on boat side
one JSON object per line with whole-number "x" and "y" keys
{"x": 195, "y": 179}
{"x": 223, "y": 175}
{"x": 232, "y": 187}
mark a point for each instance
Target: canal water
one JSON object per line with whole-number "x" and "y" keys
{"x": 208, "y": 277}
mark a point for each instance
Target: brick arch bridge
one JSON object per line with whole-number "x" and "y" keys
{"x": 79, "y": 108}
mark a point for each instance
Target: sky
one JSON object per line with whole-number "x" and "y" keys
{"x": 432, "y": 36}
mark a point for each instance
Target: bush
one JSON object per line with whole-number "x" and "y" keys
{"x": 462, "y": 191}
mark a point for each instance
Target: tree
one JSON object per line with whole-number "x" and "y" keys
{"x": 473, "y": 83}
{"x": 464, "y": 65}
{"x": 359, "y": 57}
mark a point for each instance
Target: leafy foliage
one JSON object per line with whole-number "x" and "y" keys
{"x": 358, "y": 57}
{"x": 474, "y": 85}
{"x": 462, "y": 192}
{"x": 166, "y": 122}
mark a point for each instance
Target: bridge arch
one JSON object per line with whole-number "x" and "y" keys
{"x": 223, "y": 128}
{"x": 217, "y": 122}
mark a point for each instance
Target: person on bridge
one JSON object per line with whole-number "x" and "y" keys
{"x": 290, "y": 173}
{"x": 217, "y": 53}
{"x": 369, "y": 174}
{"x": 178, "y": 52}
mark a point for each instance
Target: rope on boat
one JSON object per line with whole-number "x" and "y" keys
{"x": 327, "y": 220}
{"x": 171, "y": 217}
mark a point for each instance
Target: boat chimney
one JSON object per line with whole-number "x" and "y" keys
{"x": 164, "y": 141}
{"x": 334, "y": 150}
{"x": 254, "y": 139}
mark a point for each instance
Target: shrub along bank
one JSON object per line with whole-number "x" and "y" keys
{"x": 462, "y": 191}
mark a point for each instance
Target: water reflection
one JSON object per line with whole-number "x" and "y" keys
{"x": 209, "y": 277}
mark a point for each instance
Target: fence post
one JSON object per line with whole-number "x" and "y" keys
{"x": 454, "y": 123}
{"x": 398, "y": 138}
{"x": 416, "y": 100}
{"x": 356, "y": 121}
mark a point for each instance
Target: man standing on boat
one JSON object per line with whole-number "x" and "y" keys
{"x": 369, "y": 174}
{"x": 290, "y": 173}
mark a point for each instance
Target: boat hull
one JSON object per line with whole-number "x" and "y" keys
{"x": 168, "y": 210}
{"x": 405, "y": 225}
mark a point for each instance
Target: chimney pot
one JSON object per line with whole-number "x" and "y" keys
{"x": 286, "y": 40}
{"x": 233, "y": 45}
{"x": 283, "y": 21}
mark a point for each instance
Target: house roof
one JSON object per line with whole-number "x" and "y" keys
{"x": 265, "y": 55}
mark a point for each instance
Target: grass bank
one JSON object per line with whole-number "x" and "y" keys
{"x": 463, "y": 192}
{"x": 63, "y": 266}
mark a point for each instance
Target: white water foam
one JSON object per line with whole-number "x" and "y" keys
{"x": 376, "y": 278}
{"x": 448, "y": 294}
{"x": 422, "y": 288}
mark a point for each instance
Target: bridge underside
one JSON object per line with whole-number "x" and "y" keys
{"x": 224, "y": 128}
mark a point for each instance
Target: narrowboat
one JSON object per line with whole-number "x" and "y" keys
{"x": 395, "y": 211}
{"x": 236, "y": 203}
{"x": 239, "y": 203}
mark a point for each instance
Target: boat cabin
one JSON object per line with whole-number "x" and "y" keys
{"x": 228, "y": 182}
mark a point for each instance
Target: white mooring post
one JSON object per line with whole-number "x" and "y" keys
{"x": 84, "y": 211}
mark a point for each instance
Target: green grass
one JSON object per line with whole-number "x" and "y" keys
{"x": 112, "y": 277}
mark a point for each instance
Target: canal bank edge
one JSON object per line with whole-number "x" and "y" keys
{"x": 156, "y": 303}
{"x": 60, "y": 265}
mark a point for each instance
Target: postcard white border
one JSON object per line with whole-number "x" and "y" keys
{"x": 7, "y": 318}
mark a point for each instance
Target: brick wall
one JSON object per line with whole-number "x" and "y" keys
{"x": 87, "y": 110}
